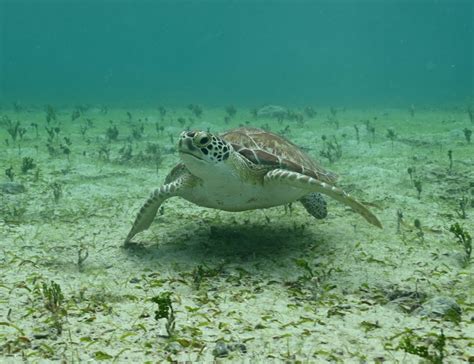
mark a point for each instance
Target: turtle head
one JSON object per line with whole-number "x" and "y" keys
{"x": 200, "y": 148}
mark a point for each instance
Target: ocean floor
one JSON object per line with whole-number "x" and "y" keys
{"x": 258, "y": 286}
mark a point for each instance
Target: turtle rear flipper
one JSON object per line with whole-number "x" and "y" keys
{"x": 315, "y": 204}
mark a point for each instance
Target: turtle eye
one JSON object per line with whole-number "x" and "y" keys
{"x": 201, "y": 139}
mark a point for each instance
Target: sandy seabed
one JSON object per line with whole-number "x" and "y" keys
{"x": 259, "y": 286}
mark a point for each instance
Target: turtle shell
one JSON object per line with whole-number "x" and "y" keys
{"x": 268, "y": 149}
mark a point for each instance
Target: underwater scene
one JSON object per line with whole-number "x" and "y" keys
{"x": 236, "y": 181}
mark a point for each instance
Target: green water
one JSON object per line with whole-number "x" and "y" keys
{"x": 250, "y": 52}
{"x": 93, "y": 98}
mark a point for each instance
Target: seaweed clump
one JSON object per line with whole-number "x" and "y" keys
{"x": 332, "y": 150}
{"x": 463, "y": 238}
{"x": 196, "y": 110}
{"x": 27, "y": 164}
{"x": 231, "y": 111}
{"x": 165, "y": 311}
{"x": 434, "y": 353}
{"x": 467, "y": 134}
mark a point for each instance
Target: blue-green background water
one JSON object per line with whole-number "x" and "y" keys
{"x": 244, "y": 52}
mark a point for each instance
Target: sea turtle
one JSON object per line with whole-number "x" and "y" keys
{"x": 245, "y": 169}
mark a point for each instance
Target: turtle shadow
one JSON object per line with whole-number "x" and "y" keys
{"x": 254, "y": 240}
{"x": 226, "y": 242}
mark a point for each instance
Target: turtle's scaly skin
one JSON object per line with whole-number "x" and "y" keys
{"x": 245, "y": 169}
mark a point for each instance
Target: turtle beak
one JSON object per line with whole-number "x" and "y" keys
{"x": 186, "y": 145}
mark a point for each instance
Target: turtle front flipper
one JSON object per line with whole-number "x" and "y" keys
{"x": 315, "y": 204}
{"x": 147, "y": 213}
{"x": 310, "y": 184}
